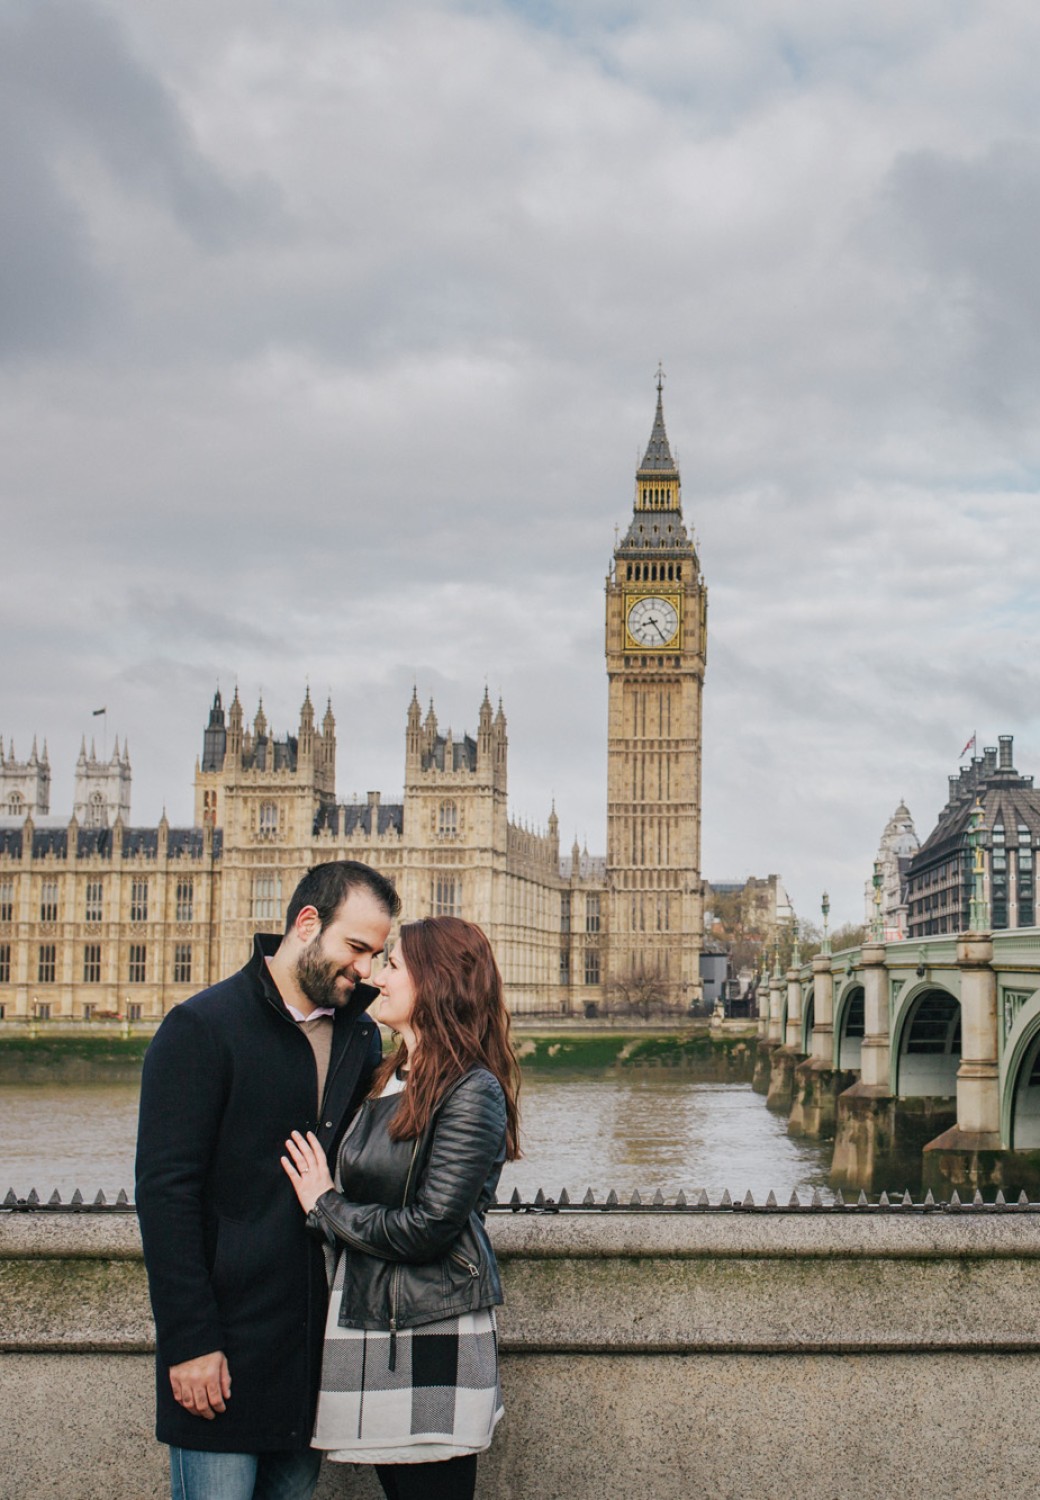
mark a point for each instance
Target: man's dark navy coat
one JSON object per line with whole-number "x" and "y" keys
{"x": 230, "y": 1262}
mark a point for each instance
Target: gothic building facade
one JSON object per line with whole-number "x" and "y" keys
{"x": 991, "y": 818}
{"x": 100, "y": 917}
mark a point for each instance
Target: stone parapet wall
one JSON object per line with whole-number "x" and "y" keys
{"x": 831, "y": 1354}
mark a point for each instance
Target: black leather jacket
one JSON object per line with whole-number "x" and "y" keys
{"x": 410, "y": 1217}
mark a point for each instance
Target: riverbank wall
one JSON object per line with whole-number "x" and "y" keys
{"x": 114, "y": 1055}
{"x": 832, "y": 1354}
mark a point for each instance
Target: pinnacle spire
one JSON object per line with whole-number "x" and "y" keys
{"x": 658, "y": 458}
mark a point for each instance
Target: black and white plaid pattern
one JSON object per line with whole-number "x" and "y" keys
{"x": 443, "y": 1389}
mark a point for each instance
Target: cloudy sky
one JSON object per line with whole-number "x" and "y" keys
{"x": 327, "y": 342}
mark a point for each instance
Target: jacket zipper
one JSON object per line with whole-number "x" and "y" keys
{"x": 460, "y": 1260}
{"x": 395, "y": 1277}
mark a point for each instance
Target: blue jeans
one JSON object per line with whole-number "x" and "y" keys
{"x": 195, "y": 1475}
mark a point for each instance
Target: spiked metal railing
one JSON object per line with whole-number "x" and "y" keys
{"x": 541, "y": 1203}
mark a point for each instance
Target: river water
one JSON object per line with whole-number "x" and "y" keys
{"x": 629, "y": 1132}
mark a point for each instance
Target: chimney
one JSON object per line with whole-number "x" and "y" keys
{"x": 1006, "y": 741}
{"x": 990, "y": 760}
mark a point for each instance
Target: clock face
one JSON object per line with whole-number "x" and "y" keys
{"x": 653, "y": 622}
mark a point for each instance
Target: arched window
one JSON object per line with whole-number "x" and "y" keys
{"x": 447, "y": 820}
{"x": 16, "y": 804}
{"x": 96, "y": 810}
{"x": 268, "y": 822}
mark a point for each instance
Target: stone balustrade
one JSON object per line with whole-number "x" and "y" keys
{"x": 827, "y": 1352}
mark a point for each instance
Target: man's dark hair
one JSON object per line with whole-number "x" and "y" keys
{"x": 326, "y": 887}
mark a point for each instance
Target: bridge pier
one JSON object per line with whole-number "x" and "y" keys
{"x": 817, "y": 1082}
{"x": 770, "y": 1012}
{"x": 971, "y": 1154}
{"x": 879, "y": 1138}
{"x": 785, "y": 1059}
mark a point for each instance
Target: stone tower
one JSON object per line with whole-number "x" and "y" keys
{"x": 102, "y": 792}
{"x": 25, "y": 785}
{"x": 656, "y": 608}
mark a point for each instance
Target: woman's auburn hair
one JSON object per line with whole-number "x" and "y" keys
{"x": 460, "y": 1020}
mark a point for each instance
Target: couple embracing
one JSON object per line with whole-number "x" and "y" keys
{"x": 279, "y": 1153}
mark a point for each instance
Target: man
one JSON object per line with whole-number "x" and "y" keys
{"x": 238, "y": 1285}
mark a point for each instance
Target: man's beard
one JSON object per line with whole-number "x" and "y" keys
{"x": 318, "y": 977}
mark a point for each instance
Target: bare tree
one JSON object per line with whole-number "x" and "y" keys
{"x": 641, "y": 990}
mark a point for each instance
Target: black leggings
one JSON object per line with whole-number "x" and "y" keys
{"x": 446, "y": 1479}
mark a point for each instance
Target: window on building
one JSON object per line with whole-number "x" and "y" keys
{"x": 6, "y": 900}
{"x": 1026, "y": 887}
{"x": 998, "y": 878}
{"x": 267, "y": 898}
{"x": 94, "y": 906}
{"x": 447, "y": 820}
{"x": 592, "y": 966}
{"x": 565, "y": 911}
{"x": 565, "y": 966}
{"x": 592, "y": 912}
{"x": 15, "y": 805}
{"x": 92, "y": 963}
{"x": 139, "y": 900}
{"x": 447, "y": 896}
{"x": 47, "y": 963}
{"x": 96, "y": 810}
{"x": 49, "y": 901}
{"x": 138, "y": 964}
{"x": 185, "y": 899}
{"x": 182, "y": 963}
{"x": 43, "y": 1010}
{"x": 134, "y": 1010}
{"x": 209, "y": 808}
{"x": 268, "y": 821}
{"x": 5, "y": 963}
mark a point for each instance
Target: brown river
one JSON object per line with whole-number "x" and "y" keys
{"x": 629, "y": 1133}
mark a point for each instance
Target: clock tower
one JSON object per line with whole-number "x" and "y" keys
{"x": 656, "y": 649}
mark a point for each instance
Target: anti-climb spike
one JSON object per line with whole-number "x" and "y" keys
{"x": 589, "y": 1198}
{"x": 771, "y": 1200}
{"x": 794, "y": 1201}
{"x": 564, "y": 1198}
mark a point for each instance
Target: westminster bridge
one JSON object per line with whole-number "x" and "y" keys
{"x": 919, "y": 1058}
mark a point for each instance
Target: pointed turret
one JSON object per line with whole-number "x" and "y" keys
{"x": 413, "y": 734}
{"x": 328, "y": 743}
{"x": 306, "y": 734}
{"x": 260, "y": 722}
{"x": 235, "y": 716}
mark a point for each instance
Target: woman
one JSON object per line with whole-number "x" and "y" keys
{"x": 410, "y": 1374}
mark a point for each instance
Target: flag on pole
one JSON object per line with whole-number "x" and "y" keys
{"x": 971, "y": 744}
{"x": 98, "y": 711}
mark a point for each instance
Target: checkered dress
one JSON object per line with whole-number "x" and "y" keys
{"x": 441, "y": 1400}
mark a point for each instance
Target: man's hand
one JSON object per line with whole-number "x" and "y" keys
{"x": 202, "y": 1385}
{"x": 308, "y": 1171}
